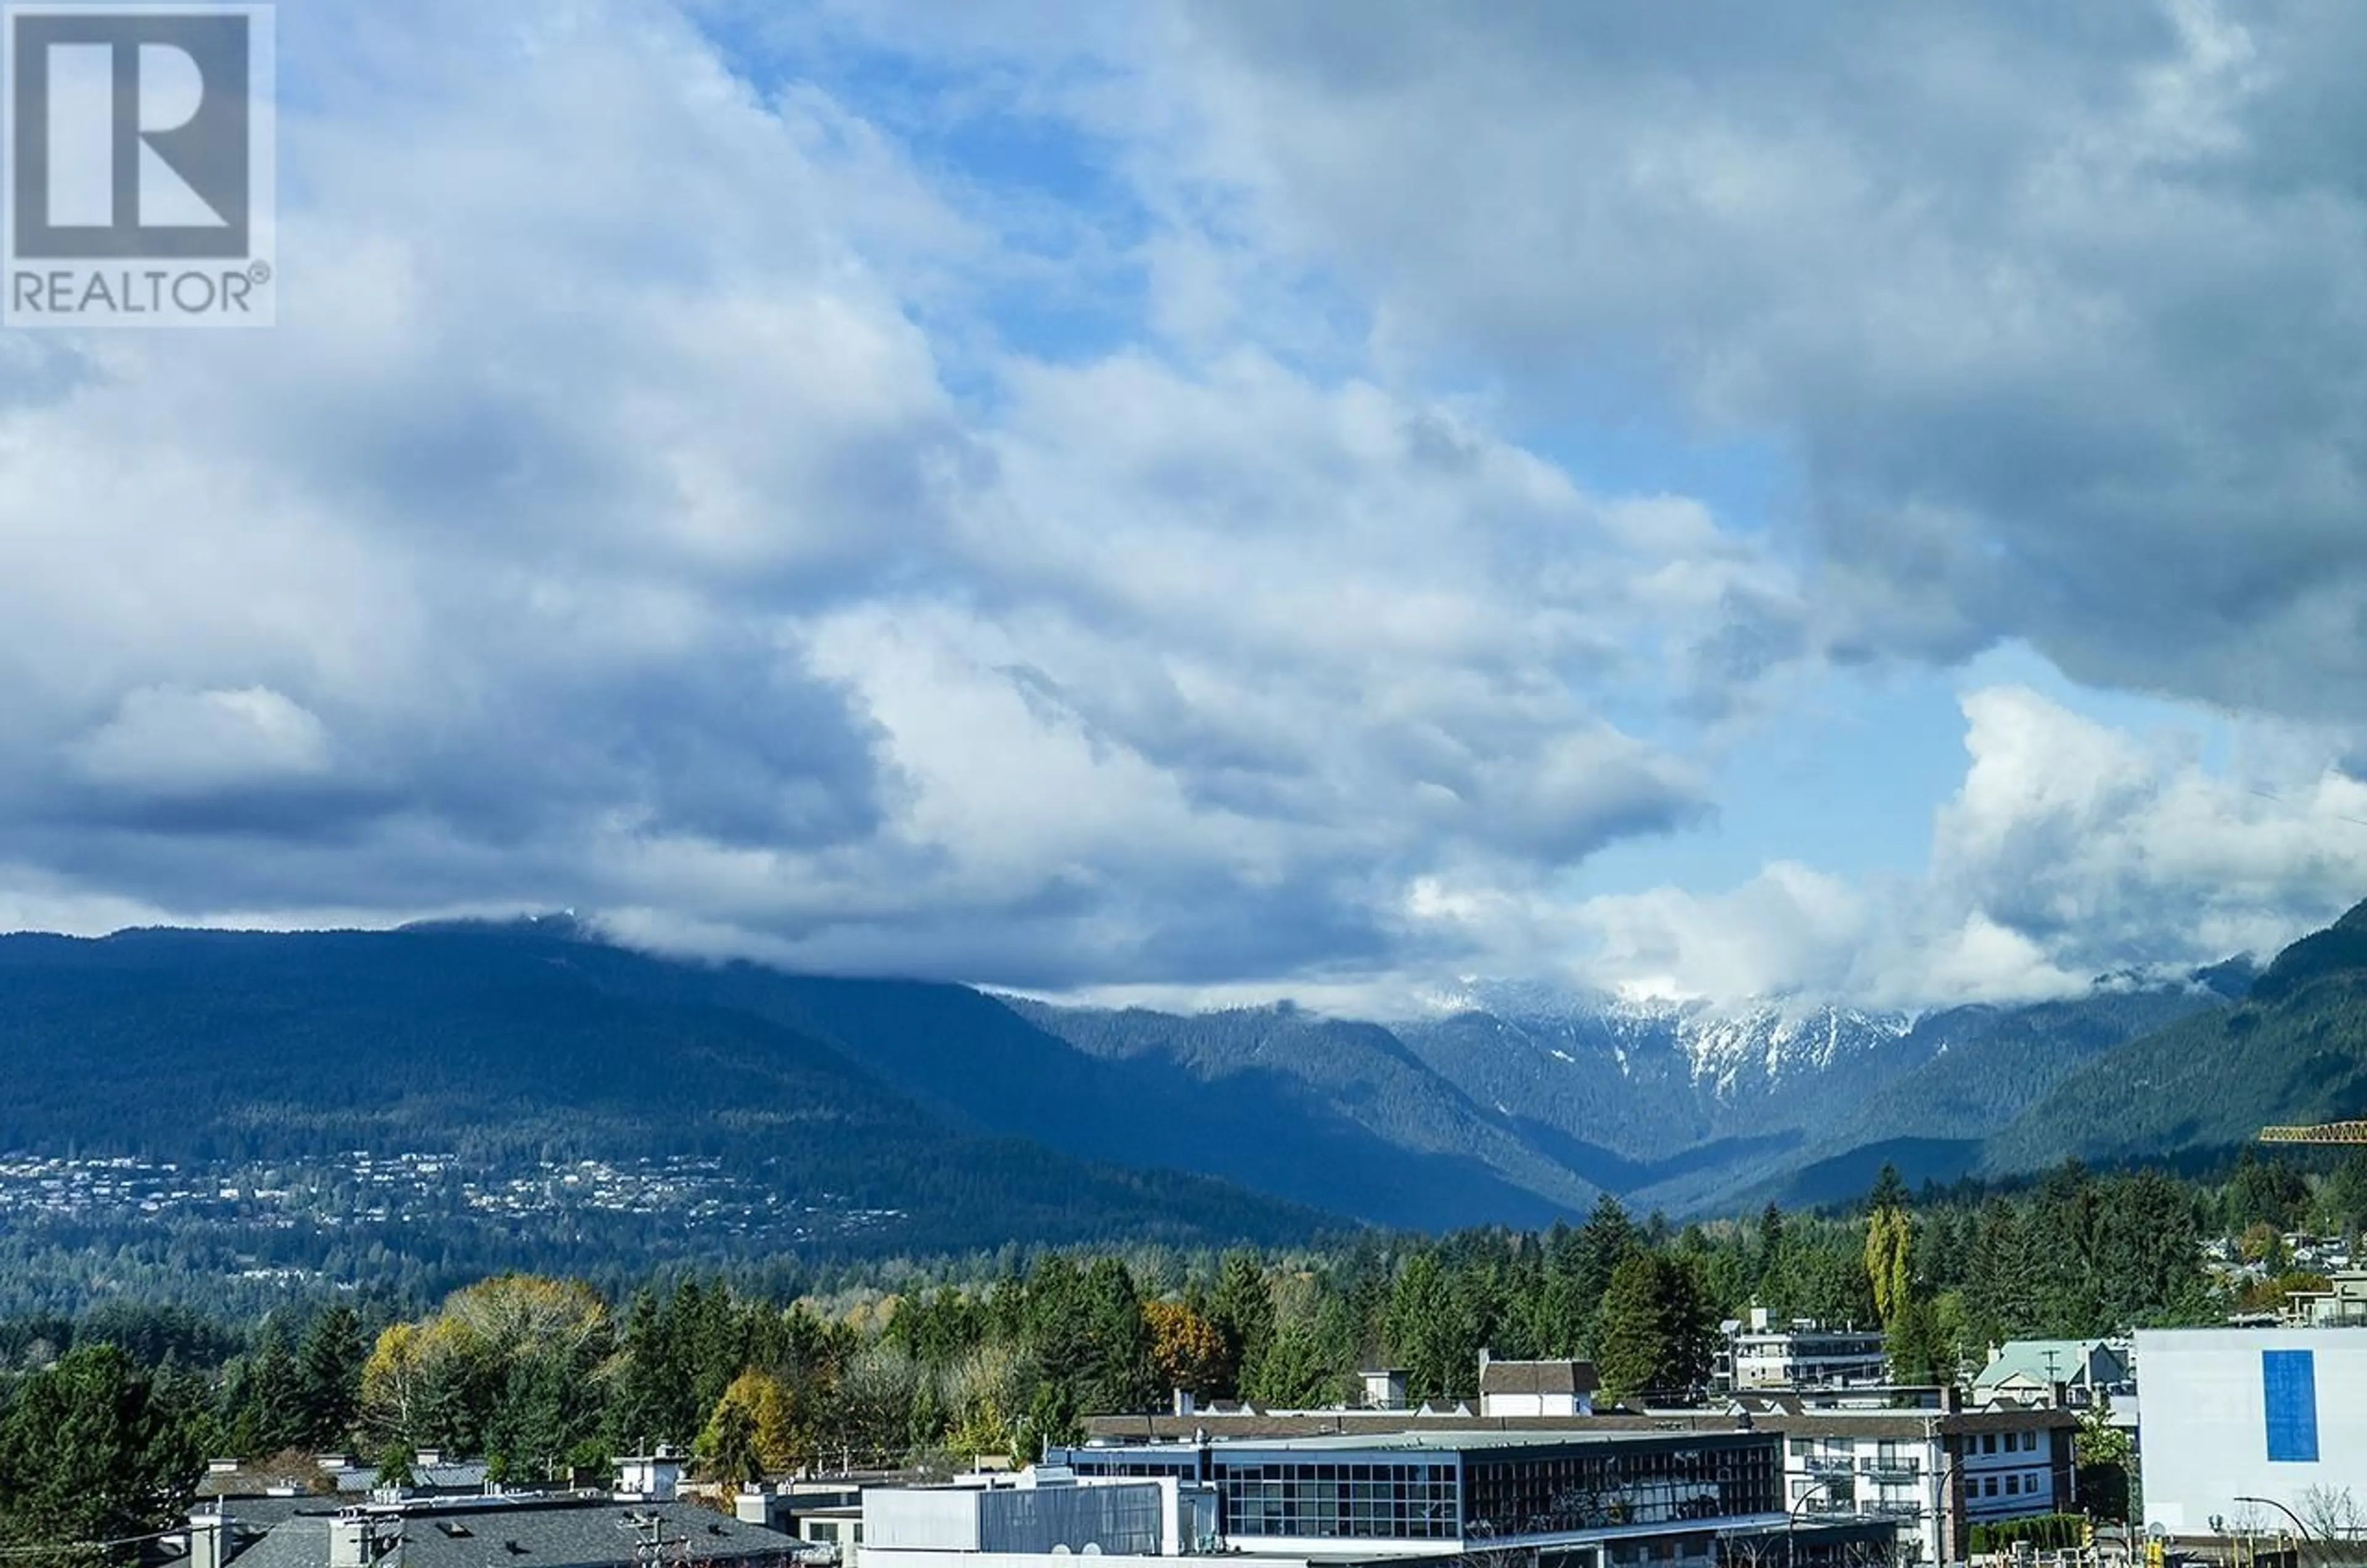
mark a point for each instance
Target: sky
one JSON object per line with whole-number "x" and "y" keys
{"x": 1201, "y": 502}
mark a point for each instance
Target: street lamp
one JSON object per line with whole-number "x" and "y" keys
{"x": 1792, "y": 1520}
{"x": 2280, "y": 1507}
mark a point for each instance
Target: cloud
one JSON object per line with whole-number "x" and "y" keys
{"x": 1123, "y": 511}
{"x": 2073, "y": 850}
{"x": 2059, "y": 317}
{"x": 639, "y": 509}
{"x": 166, "y": 743}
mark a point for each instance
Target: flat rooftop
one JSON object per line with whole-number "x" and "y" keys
{"x": 1430, "y": 1442}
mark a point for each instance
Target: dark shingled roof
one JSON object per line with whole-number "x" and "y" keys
{"x": 548, "y": 1533}
{"x": 1538, "y": 1377}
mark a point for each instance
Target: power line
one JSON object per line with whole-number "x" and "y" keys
{"x": 62, "y": 1548}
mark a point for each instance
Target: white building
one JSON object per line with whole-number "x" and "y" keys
{"x": 1039, "y": 1513}
{"x": 2235, "y": 1413}
{"x": 653, "y": 1477}
{"x": 1535, "y": 1388}
{"x": 1932, "y": 1472}
{"x": 1760, "y": 1353}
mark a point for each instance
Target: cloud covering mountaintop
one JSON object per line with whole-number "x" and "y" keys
{"x": 1211, "y": 500}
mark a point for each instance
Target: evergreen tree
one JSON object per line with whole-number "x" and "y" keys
{"x": 1606, "y": 1239}
{"x": 1916, "y": 1346}
{"x": 91, "y": 1452}
{"x": 1771, "y": 1244}
{"x": 1889, "y": 1191}
{"x": 2001, "y": 1288}
{"x": 1295, "y": 1373}
{"x": 655, "y": 1401}
{"x": 1656, "y": 1332}
{"x": 1430, "y": 1333}
{"x": 1241, "y": 1310}
{"x": 331, "y": 1362}
{"x": 1117, "y": 1376}
{"x": 276, "y": 1396}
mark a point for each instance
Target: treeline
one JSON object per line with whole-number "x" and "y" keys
{"x": 1003, "y": 1353}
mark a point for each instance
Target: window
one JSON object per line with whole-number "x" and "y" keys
{"x": 1988, "y": 1442}
{"x": 1989, "y": 1486}
{"x": 2289, "y": 1390}
{"x": 2012, "y": 1485}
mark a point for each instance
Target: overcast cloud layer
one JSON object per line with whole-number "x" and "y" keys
{"x": 1220, "y": 501}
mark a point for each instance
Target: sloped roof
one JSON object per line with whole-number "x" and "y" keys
{"x": 2076, "y": 1361}
{"x": 1538, "y": 1377}
{"x": 571, "y": 1533}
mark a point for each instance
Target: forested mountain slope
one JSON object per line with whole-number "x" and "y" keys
{"x": 1324, "y": 1116}
{"x": 512, "y": 1048}
{"x": 970, "y": 1119}
{"x": 2295, "y": 1049}
{"x": 1981, "y": 1067}
{"x": 1272, "y": 1069}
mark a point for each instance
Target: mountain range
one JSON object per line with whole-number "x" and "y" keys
{"x": 971, "y": 1118}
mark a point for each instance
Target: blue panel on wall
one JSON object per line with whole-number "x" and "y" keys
{"x": 2288, "y": 1388}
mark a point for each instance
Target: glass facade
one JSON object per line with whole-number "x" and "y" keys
{"x": 1485, "y": 1491}
{"x": 1397, "y": 1500}
{"x": 1607, "y": 1486}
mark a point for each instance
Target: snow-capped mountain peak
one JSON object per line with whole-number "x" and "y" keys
{"x": 1722, "y": 1048}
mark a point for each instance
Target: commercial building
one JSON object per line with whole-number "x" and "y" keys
{"x": 2231, "y": 1414}
{"x": 1595, "y": 1498}
{"x": 1042, "y": 1512}
{"x": 1760, "y": 1353}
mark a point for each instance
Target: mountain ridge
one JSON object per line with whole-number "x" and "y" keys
{"x": 1510, "y": 1103}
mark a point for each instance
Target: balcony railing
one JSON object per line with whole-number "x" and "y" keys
{"x": 1894, "y": 1470}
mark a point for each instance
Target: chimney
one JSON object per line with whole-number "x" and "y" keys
{"x": 206, "y": 1543}
{"x": 1184, "y": 1404}
{"x": 355, "y": 1541}
{"x": 1952, "y": 1399}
